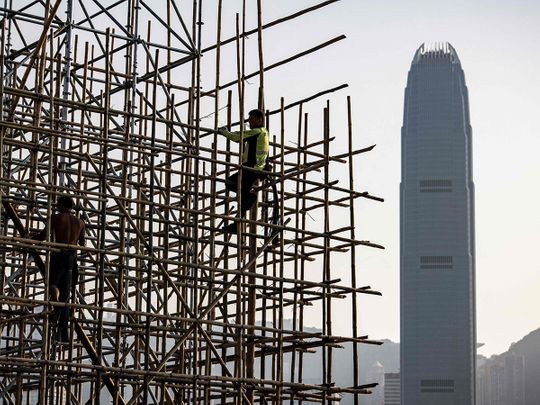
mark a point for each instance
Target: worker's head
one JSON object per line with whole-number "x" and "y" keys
{"x": 65, "y": 203}
{"x": 256, "y": 119}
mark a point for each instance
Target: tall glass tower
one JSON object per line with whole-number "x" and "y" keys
{"x": 438, "y": 325}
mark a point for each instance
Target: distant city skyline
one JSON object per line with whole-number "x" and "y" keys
{"x": 502, "y": 382}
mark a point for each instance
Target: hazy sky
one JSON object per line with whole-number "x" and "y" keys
{"x": 498, "y": 43}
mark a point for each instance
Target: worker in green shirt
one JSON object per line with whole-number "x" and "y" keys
{"x": 256, "y": 147}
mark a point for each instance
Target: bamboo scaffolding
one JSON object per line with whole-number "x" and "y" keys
{"x": 105, "y": 102}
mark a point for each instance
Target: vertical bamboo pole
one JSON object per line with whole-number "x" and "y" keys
{"x": 141, "y": 177}
{"x": 150, "y": 241}
{"x": 132, "y": 142}
{"x": 330, "y": 330}
{"x": 261, "y": 55}
{"x": 81, "y": 182}
{"x": 296, "y": 247}
{"x": 123, "y": 264}
{"x": 356, "y": 381}
{"x": 265, "y": 286}
{"x": 252, "y": 280}
{"x": 327, "y": 265}
{"x": 55, "y": 78}
{"x": 280, "y": 375}
{"x": 44, "y": 383}
{"x": 197, "y": 35}
{"x": 71, "y": 386}
{"x": 252, "y": 301}
{"x": 213, "y": 187}
{"x": 239, "y": 364}
{"x": 226, "y": 249}
{"x": 165, "y": 242}
{"x": 66, "y": 81}
{"x": 100, "y": 287}
{"x": 303, "y": 252}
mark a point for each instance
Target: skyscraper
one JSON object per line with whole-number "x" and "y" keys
{"x": 437, "y": 234}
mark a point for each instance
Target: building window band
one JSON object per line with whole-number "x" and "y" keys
{"x": 436, "y": 262}
{"x": 437, "y": 385}
{"x": 436, "y": 186}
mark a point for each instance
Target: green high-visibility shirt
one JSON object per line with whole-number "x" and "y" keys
{"x": 256, "y": 146}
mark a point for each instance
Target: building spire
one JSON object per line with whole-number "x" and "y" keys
{"x": 436, "y": 52}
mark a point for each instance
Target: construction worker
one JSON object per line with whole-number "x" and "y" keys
{"x": 256, "y": 147}
{"x": 63, "y": 270}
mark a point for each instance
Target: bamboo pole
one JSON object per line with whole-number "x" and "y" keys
{"x": 296, "y": 248}
{"x": 261, "y": 105}
{"x": 239, "y": 364}
{"x": 326, "y": 258}
{"x": 302, "y": 253}
{"x": 353, "y": 252}
{"x": 213, "y": 190}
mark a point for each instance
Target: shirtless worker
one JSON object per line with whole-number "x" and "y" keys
{"x": 63, "y": 271}
{"x": 256, "y": 146}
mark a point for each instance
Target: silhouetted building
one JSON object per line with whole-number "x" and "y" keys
{"x": 376, "y": 375}
{"x": 438, "y": 323}
{"x": 502, "y": 382}
{"x": 392, "y": 389}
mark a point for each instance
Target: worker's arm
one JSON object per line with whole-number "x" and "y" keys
{"x": 41, "y": 235}
{"x": 82, "y": 239}
{"x": 235, "y": 136}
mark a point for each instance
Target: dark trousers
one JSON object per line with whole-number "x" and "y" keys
{"x": 63, "y": 275}
{"x": 247, "y": 198}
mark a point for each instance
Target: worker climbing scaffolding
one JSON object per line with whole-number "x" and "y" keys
{"x": 254, "y": 162}
{"x": 63, "y": 274}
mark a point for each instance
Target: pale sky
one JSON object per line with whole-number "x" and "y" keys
{"x": 498, "y": 43}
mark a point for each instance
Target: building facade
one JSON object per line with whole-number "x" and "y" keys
{"x": 437, "y": 260}
{"x": 392, "y": 389}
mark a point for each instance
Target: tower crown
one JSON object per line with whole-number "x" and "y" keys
{"x": 436, "y": 53}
